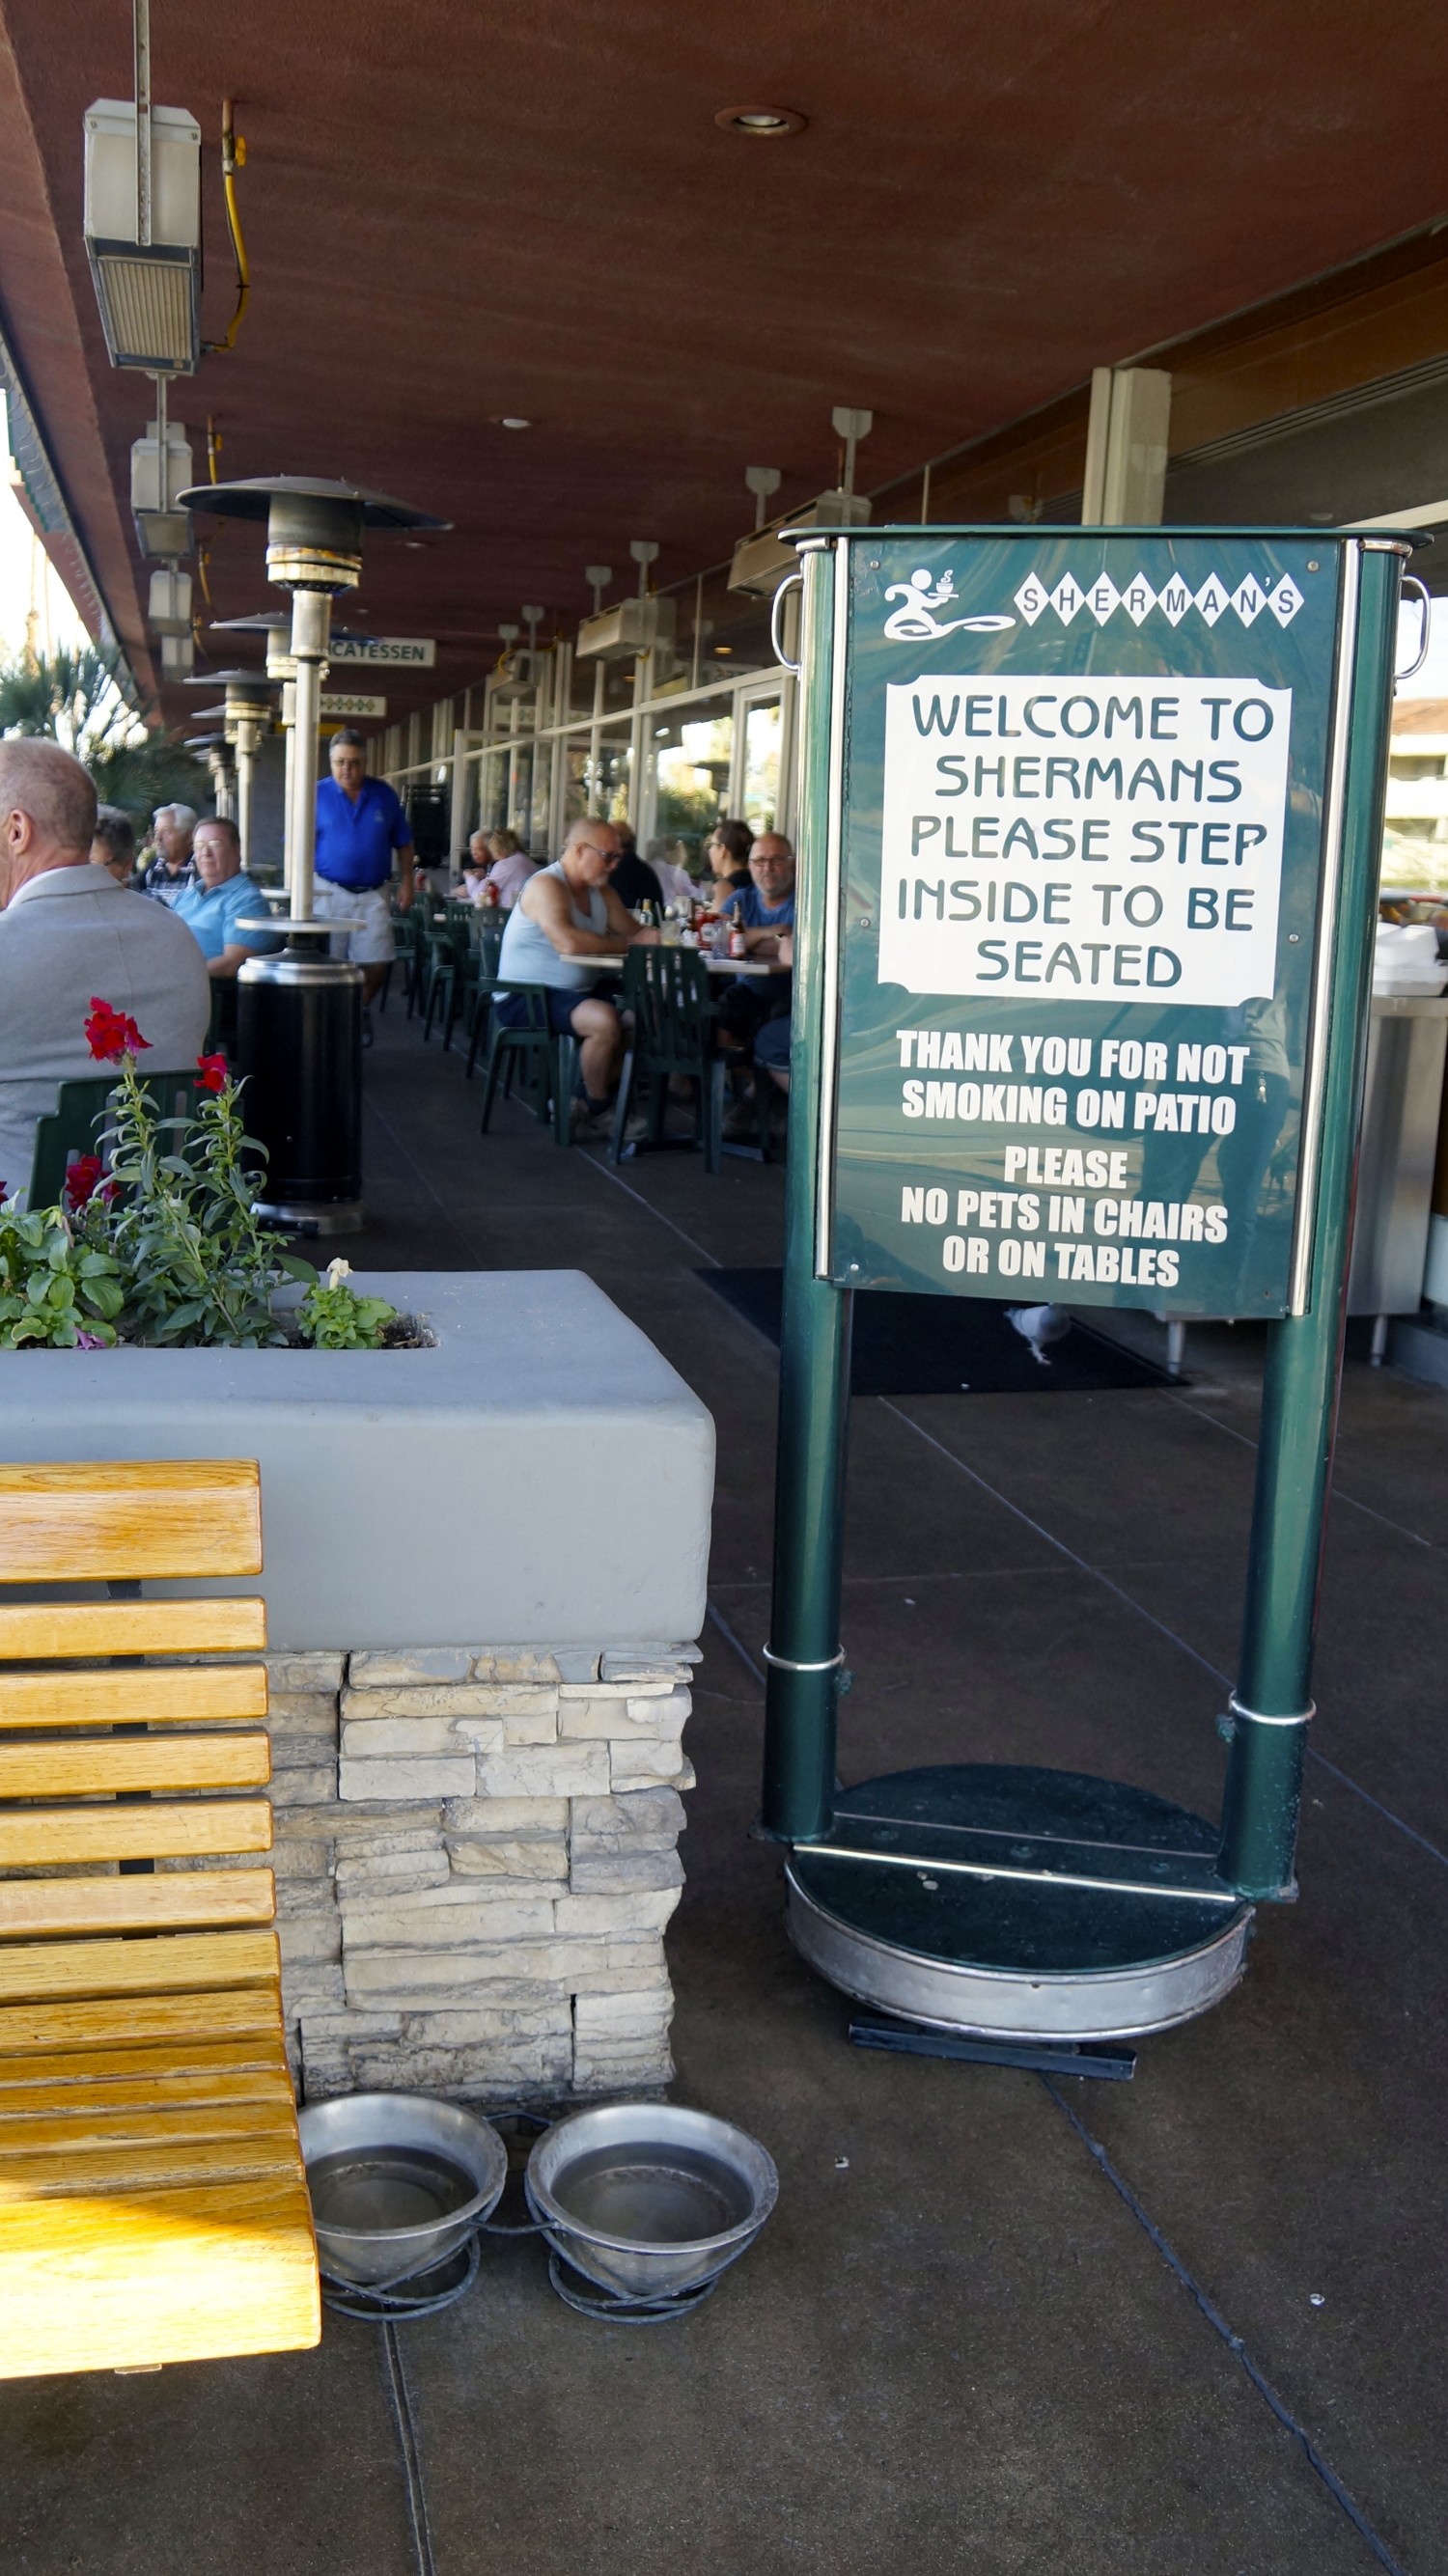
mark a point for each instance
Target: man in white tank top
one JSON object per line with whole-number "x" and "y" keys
{"x": 566, "y": 915}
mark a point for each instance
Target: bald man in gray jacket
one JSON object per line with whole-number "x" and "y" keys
{"x": 68, "y": 933}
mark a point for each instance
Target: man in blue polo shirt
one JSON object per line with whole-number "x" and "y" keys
{"x": 360, "y": 823}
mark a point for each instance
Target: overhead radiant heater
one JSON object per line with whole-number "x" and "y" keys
{"x": 143, "y": 232}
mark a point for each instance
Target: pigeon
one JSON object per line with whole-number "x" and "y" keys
{"x": 1037, "y": 1326}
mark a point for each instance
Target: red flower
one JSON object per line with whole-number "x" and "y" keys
{"x": 81, "y": 1180}
{"x": 212, "y": 1069}
{"x": 111, "y": 1034}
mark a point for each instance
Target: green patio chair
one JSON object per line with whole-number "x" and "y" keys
{"x": 666, "y": 991}
{"x": 451, "y": 947}
{"x": 426, "y": 917}
{"x": 481, "y": 979}
{"x": 546, "y": 1057}
{"x": 405, "y": 941}
{"x": 71, "y": 1128}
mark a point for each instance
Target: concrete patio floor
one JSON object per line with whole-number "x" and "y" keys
{"x": 998, "y": 2325}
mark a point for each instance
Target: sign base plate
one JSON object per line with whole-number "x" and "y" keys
{"x": 1019, "y": 1904}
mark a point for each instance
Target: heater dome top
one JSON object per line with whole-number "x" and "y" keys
{"x": 253, "y": 499}
{"x": 231, "y": 680}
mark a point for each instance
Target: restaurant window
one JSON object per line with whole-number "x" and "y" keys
{"x": 493, "y": 790}
{"x": 610, "y": 783}
{"x": 536, "y": 832}
{"x": 575, "y": 783}
{"x": 759, "y": 795}
{"x": 689, "y": 758}
{"x": 520, "y": 788}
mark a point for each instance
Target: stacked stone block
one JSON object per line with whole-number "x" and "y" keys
{"x": 476, "y": 1856}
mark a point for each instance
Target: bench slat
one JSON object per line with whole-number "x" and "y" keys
{"x": 107, "y": 2129}
{"x": 37, "y": 1970}
{"x": 227, "y": 2270}
{"x": 143, "y": 1695}
{"x": 229, "y": 1626}
{"x": 159, "y": 1830}
{"x": 229, "y": 1993}
{"x": 93, "y": 1766}
{"x": 133, "y": 2078}
{"x": 130, "y": 1518}
{"x": 164, "y": 2165}
{"x": 33, "y": 1907}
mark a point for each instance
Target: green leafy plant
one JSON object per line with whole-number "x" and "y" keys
{"x": 158, "y": 1242}
{"x": 58, "y": 1288}
{"x": 332, "y": 1316}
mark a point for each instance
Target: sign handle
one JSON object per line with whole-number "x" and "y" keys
{"x": 1271, "y": 1706}
{"x": 804, "y": 1654}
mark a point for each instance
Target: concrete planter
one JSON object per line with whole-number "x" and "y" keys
{"x": 541, "y": 1475}
{"x": 485, "y": 1567}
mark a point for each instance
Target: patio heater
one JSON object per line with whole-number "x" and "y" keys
{"x": 215, "y": 750}
{"x": 248, "y": 710}
{"x": 299, "y": 1012}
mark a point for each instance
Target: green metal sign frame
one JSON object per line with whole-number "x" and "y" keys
{"x": 843, "y": 1222}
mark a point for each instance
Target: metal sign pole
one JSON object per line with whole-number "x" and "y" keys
{"x": 804, "y": 1654}
{"x": 1271, "y": 1705}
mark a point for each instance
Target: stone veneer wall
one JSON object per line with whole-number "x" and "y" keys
{"x": 476, "y": 1856}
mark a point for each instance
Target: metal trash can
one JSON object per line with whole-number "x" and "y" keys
{"x": 1407, "y": 1040}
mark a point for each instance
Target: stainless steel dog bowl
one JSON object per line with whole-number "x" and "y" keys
{"x": 398, "y": 2181}
{"x": 648, "y": 2199}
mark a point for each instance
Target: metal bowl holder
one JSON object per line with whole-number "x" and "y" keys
{"x": 426, "y": 2293}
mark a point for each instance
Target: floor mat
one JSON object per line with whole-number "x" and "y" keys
{"x": 905, "y": 1345}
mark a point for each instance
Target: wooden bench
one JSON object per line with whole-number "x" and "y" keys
{"x": 153, "y": 2203}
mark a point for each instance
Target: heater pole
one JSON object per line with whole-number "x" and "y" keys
{"x": 311, "y": 625}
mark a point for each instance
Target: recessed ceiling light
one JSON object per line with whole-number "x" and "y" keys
{"x": 761, "y": 120}
{"x": 514, "y": 422}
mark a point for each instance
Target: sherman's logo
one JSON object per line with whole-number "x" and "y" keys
{"x": 1101, "y": 599}
{"x": 915, "y": 621}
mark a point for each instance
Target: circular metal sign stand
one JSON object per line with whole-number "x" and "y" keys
{"x": 975, "y": 1898}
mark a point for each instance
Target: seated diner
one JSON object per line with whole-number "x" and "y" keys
{"x": 567, "y": 916}
{"x": 495, "y": 870}
{"x": 726, "y": 859}
{"x": 222, "y": 898}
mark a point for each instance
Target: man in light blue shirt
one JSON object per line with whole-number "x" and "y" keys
{"x": 214, "y": 908}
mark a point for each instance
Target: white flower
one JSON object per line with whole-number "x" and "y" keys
{"x": 337, "y": 1271}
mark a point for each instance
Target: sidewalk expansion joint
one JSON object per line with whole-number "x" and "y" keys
{"x": 1234, "y": 2342}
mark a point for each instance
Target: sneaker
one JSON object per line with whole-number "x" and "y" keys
{"x": 587, "y": 1122}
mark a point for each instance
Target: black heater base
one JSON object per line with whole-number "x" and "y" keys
{"x": 299, "y": 1047}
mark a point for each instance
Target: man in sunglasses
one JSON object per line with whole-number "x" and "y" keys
{"x": 566, "y": 916}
